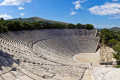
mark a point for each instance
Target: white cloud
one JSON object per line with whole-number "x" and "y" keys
{"x": 78, "y": 4}
{"x": 106, "y": 9}
{"x": 73, "y": 13}
{"x": 22, "y": 14}
{"x": 5, "y": 16}
{"x": 20, "y": 8}
{"x": 14, "y": 2}
{"x": 115, "y": 0}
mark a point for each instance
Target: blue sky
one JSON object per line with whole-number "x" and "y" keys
{"x": 100, "y": 13}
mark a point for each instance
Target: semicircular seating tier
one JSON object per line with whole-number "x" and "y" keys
{"x": 45, "y": 54}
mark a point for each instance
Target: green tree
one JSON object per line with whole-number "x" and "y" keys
{"x": 20, "y": 19}
{"x": 11, "y": 26}
{"x": 89, "y": 26}
{"x": 18, "y": 26}
{"x": 112, "y": 42}
{"x": 1, "y": 28}
{"x": 71, "y": 26}
{"x": 117, "y": 54}
{"x": 58, "y": 26}
{"x": 37, "y": 25}
{"x": 5, "y": 29}
{"x": 28, "y": 26}
{"x": 106, "y": 35}
{"x": 79, "y": 26}
{"x": 2, "y": 19}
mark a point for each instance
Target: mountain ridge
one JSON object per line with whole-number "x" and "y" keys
{"x": 115, "y": 29}
{"x": 36, "y": 19}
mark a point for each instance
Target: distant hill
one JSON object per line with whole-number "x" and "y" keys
{"x": 115, "y": 29}
{"x": 36, "y": 19}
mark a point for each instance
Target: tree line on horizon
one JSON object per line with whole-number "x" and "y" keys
{"x": 111, "y": 39}
{"x": 6, "y": 25}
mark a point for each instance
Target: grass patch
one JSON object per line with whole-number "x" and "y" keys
{"x": 117, "y": 66}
